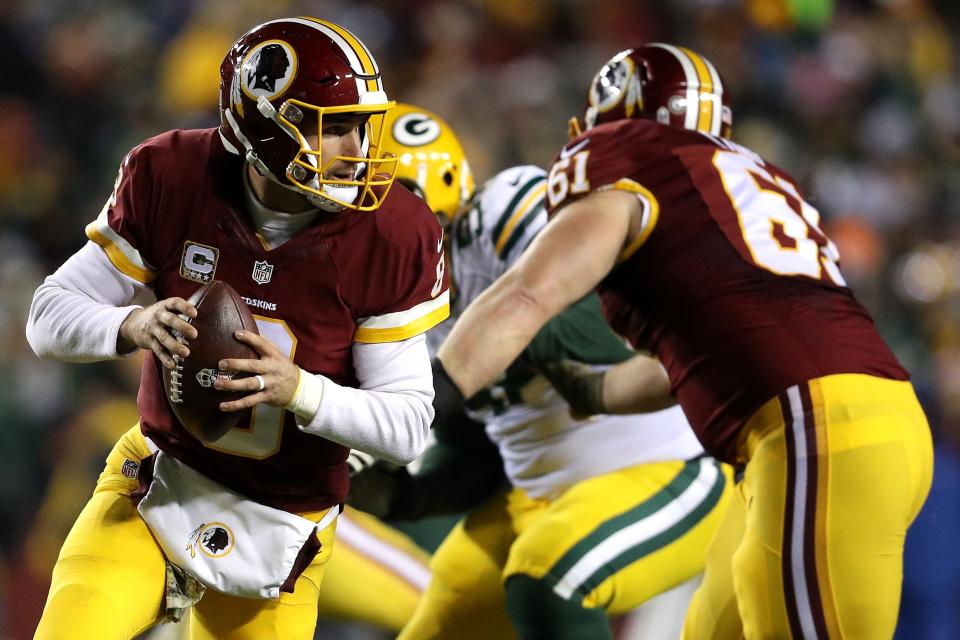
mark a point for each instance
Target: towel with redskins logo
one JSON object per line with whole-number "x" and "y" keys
{"x": 227, "y": 542}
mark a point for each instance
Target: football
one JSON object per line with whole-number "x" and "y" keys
{"x": 189, "y": 385}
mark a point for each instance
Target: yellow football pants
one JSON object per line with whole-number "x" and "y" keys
{"x": 375, "y": 574}
{"x": 612, "y": 542}
{"x": 812, "y": 544}
{"x": 108, "y": 582}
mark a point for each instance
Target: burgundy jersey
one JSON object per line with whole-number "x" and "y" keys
{"x": 176, "y": 220}
{"x": 730, "y": 281}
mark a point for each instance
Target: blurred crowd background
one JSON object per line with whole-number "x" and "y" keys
{"x": 858, "y": 99}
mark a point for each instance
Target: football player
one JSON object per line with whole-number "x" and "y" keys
{"x": 371, "y": 556}
{"x": 289, "y": 201}
{"x": 710, "y": 257}
{"x": 596, "y": 516}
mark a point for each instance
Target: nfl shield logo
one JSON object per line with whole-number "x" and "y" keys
{"x": 130, "y": 468}
{"x": 262, "y": 272}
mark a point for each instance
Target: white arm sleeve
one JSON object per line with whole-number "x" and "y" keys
{"x": 389, "y": 415}
{"x": 76, "y": 313}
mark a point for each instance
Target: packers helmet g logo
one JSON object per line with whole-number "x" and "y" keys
{"x": 416, "y": 129}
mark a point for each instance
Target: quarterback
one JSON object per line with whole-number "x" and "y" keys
{"x": 709, "y": 257}
{"x": 595, "y": 516}
{"x": 290, "y": 202}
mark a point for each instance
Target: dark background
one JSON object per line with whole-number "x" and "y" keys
{"x": 859, "y": 100}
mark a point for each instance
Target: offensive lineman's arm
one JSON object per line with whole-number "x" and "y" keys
{"x": 568, "y": 259}
{"x": 565, "y": 349}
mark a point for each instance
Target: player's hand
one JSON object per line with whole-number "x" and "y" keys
{"x": 156, "y": 328}
{"x": 580, "y": 385}
{"x": 378, "y": 489}
{"x": 273, "y": 377}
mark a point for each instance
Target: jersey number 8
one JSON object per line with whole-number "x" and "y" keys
{"x": 260, "y": 438}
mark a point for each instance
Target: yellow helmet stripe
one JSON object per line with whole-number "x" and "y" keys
{"x": 705, "y": 116}
{"x": 717, "y": 124}
{"x": 367, "y": 63}
{"x": 692, "y": 114}
{"x": 535, "y": 196}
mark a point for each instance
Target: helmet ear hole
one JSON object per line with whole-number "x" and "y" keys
{"x": 448, "y": 178}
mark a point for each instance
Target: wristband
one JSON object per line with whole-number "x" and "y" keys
{"x": 447, "y": 397}
{"x": 306, "y": 399}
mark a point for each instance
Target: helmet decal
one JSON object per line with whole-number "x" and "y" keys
{"x": 415, "y": 129}
{"x": 268, "y": 70}
{"x": 614, "y": 81}
{"x": 279, "y": 83}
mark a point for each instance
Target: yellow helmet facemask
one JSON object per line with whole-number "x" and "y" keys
{"x": 308, "y": 169}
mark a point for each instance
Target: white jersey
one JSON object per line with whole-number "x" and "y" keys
{"x": 544, "y": 450}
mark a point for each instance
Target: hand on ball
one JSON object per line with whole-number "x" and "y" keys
{"x": 280, "y": 376}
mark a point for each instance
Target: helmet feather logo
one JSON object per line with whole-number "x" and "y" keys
{"x": 268, "y": 69}
{"x": 288, "y": 73}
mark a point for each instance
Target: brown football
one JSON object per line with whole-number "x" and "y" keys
{"x": 189, "y": 385}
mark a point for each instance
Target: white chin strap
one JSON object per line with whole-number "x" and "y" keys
{"x": 250, "y": 155}
{"x": 344, "y": 193}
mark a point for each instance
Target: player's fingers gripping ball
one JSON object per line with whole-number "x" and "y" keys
{"x": 272, "y": 378}
{"x": 190, "y": 385}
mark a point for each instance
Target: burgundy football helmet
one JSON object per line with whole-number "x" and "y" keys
{"x": 669, "y": 84}
{"x": 276, "y": 85}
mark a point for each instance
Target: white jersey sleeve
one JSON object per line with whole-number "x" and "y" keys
{"x": 389, "y": 415}
{"x": 505, "y": 214}
{"x": 77, "y": 312}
